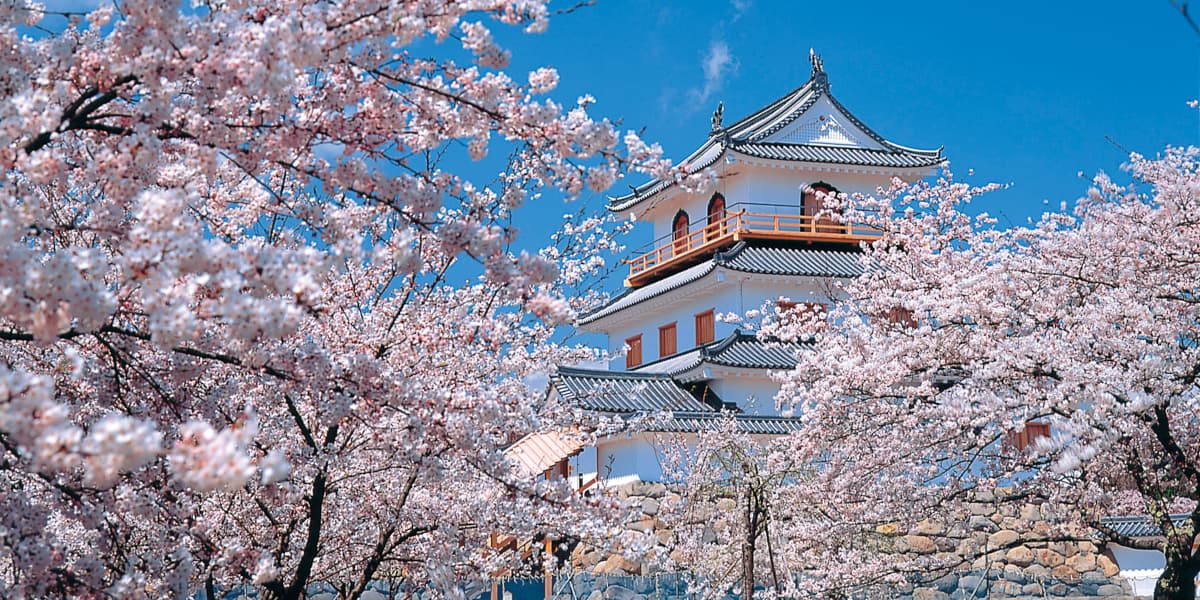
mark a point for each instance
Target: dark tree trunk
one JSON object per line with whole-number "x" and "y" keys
{"x": 1178, "y": 579}
{"x": 275, "y": 590}
{"x": 748, "y": 548}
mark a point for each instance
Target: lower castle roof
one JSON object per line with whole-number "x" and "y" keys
{"x": 670, "y": 386}
{"x": 746, "y": 258}
{"x": 739, "y": 350}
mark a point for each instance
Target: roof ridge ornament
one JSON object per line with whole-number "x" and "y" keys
{"x": 717, "y": 117}
{"x": 818, "y": 69}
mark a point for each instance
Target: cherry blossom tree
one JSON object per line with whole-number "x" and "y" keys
{"x": 723, "y": 526}
{"x": 960, "y": 336}
{"x": 263, "y": 321}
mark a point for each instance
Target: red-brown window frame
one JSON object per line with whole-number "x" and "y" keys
{"x": 1021, "y": 440}
{"x": 706, "y": 326}
{"x": 789, "y": 306}
{"x": 665, "y": 349}
{"x": 633, "y": 356}
{"x": 898, "y": 315}
{"x": 812, "y": 202}
{"x": 680, "y": 226}
{"x": 715, "y": 226}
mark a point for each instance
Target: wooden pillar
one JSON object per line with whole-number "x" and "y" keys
{"x": 549, "y": 577}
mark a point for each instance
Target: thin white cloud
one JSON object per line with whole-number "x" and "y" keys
{"x": 717, "y": 63}
{"x": 740, "y": 7}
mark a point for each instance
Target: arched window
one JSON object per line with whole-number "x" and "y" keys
{"x": 679, "y": 232}
{"x": 812, "y": 202}
{"x": 716, "y": 218}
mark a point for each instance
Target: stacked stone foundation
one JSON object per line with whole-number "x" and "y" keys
{"x": 999, "y": 552}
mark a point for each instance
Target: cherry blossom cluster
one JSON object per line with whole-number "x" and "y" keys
{"x": 261, "y": 315}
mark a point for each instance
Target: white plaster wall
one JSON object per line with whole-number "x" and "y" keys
{"x": 583, "y": 465}
{"x": 634, "y": 458}
{"x": 757, "y": 293}
{"x": 671, "y": 307}
{"x": 625, "y": 458}
{"x": 1141, "y": 568}
{"x": 754, "y": 395}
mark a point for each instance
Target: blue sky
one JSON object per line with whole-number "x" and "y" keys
{"x": 1025, "y": 93}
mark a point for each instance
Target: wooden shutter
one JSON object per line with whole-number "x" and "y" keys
{"x": 1020, "y": 440}
{"x": 667, "y": 340}
{"x": 898, "y": 315}
{"x": 633, "y": 357}
{"x": 705, "y": 327}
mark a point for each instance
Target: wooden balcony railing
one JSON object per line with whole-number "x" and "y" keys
{"x": 670, "y": 252}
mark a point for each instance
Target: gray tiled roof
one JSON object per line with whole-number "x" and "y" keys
{"x": 683, "y": 422}
{"x": 1137, "y": 526}
{"x": 747, "y": 135}
{"x": 633, "y": 296}
{"x": 643, "y": 393}
{"x": 837, "y": 155}
{"x": 623, "y": 392}
{"x": 745, "y": 350}
{"x": 741, "y": 350}
{"x": 745, "y": 258}
{"x": 791, "y": 261}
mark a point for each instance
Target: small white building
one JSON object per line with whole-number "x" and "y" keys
{"x": 761, "y": 239}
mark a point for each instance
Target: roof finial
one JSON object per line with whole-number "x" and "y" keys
{"x": 818, "y": 67}
{"x": 717, "y": 116}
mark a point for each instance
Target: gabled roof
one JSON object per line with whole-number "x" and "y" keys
{"x": 632, "y": 296}
{"x": 623, "y": 392}
{"x": 835, "y": 138}
{"x": 739, "y": 350}
{"x": 746, "y": 258}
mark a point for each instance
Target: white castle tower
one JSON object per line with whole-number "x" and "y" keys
{"x": 756, "y": 240}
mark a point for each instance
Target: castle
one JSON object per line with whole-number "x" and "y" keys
{"x": 762, "y": 238}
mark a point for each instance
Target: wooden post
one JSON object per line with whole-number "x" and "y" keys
{"x": 549, "y": 577}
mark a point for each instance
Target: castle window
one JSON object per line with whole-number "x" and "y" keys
{"x": 679, "y": 232}
{"x": 667, "y": 340}
{"x": 793, "y": 313}
{"x": 812, "y": 202}
{"x": 1020, "y": 440}
{"x": 633, "y": 357}
{"x": 716, "y": 217}
{"x": 898, "y": 315}
{"x": 705, "y": 327}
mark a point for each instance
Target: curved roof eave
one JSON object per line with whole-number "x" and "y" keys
{"x": 703, "y": 157}
{"x": 743, "y": 257}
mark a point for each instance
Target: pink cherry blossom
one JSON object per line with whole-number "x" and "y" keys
{"x": 261, "y": 326}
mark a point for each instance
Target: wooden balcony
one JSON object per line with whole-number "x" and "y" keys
{"x": 670, "y": 254}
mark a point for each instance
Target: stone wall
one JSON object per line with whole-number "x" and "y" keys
{"x": 647, "y": 500}
{"x": 1015, "y": 552}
